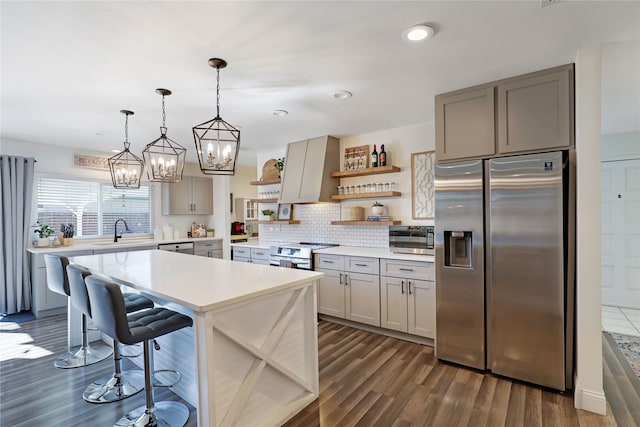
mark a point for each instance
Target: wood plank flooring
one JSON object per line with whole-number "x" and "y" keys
{"x": 365, "y": 380}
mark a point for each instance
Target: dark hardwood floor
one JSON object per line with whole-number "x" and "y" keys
{"x": 365, "y": 380}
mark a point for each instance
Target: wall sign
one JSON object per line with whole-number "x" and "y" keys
{"x": 422, "y": 185}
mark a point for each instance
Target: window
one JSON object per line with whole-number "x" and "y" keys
{"x": 92, "y": 207}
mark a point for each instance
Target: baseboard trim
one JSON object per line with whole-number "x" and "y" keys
{"x": 376, "y": 330}
{"x": 589, "y": 400}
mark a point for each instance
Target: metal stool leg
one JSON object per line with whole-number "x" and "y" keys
{"x": 120, "y": 385}
{"x": 86, "y": 354}
{"x": 152, "y": 414}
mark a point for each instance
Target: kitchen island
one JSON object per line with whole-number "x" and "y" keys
{"x": 251, "y": 357}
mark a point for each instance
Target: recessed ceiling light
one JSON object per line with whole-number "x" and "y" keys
{"x": 341, "y": 94}
{"x": 418, "y": 33}
{"x": 280, "y": 113}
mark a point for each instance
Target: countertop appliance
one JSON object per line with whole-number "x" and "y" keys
{"x": 237, "y": 227}
{"x": 185, "y": 247}
{"x": 505, "y": 231}
{"x": 411, "y": 239}
{"x": 295, "y": 255}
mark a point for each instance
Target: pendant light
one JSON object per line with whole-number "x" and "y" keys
{"x": 126, "y": 168}
{"x": 217, "y": 142}
{"x": 164, "y": 157}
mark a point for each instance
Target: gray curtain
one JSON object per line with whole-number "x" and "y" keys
{"x": 16, "y": 189}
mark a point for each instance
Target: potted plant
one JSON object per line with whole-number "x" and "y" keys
{"x": 267, "y": 215}
{"x": 210, "y": 232}
{"x": 280, "y": 164}
{"x": 377, "y": 208}
{"x": 43, "y": 232}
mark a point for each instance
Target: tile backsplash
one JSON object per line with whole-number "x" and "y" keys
{"x": 315, "y": 226}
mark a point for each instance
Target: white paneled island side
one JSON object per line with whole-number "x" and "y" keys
{"x": 251, "y": 357}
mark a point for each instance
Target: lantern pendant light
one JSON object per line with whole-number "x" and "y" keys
{"x": 217, "y": 142}
{"x": 164, "y": 158}
{"x": 126, "y": 168}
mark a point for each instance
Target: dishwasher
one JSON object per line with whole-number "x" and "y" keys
{"x": 185, "y": 248}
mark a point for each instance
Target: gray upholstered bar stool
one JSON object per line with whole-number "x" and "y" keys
{"x": 109, "y": 314}
{"x": 121, "y": 384}
{"x": 58, "y": 282}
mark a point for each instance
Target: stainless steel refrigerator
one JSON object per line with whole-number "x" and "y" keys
{"x": 505, "y": 262}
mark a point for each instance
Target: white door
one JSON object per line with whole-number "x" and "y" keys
{"x": 621, "y": 233}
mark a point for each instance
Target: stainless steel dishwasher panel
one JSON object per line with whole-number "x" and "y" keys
{"x": 184, "y": 247}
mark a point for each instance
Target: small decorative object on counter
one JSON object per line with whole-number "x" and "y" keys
{"x": 374, "y": 157}
{"x": 382, "y": 157}
{"x": 43, "y": 232}
{"x": 198, "y": 230}
{"x": 377, "y": 208}
{"x": 210, "y": 232}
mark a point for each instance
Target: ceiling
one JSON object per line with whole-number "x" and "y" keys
{"x": 68, "y": 67}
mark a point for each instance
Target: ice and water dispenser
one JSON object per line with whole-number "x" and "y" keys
{"x": 458, "y": 249}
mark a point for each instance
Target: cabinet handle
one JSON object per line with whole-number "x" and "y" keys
{"x": 409, "y": 282}
{"x": 327, "y": 261}
{"x": 405, "y": 269}
{"x": 361, "y": 265}
{"x": 259, "y": 253}
{"x": 341, "y": 278}
{"x": 402, "y": 287}
{"x": 346, "y": 279}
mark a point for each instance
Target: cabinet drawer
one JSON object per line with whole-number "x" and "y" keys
{"x": 361, "y": 265}
{"x": 241, "y": 259}
{"x": 241, "y": 252}
{"x": 407, "y": 269}
{"x": 260, "y": 254}
{"x": 208, "y": 245}
{"x": 331, "y": 262}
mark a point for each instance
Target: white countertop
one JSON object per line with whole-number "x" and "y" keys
{"x": 254, "y": 243}
{"x": 199, "y": 283}
{"x": 374, "y": 253}
{"x": 123, "y": 242}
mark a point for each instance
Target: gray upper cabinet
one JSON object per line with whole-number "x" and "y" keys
{"x": 535, "y": 112}
{"x": 465, "y": 124}
{"x": 528, "y": 113}
{"x": 191, "y": 196}
{"x": 306, "y": 177}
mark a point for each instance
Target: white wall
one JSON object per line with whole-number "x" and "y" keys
{"x": 589, "y": 391}
{"x": 315, "y": 219}
{"x": 621, "y": 146}
{"x": 58, "y": 161}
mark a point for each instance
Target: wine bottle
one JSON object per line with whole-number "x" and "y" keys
{"x": 382, "y": 157}
{"x": 374, "y": 157}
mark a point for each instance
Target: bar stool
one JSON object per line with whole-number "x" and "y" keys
{"x": 58, "y": 282}
{"x": 121, "y": 384}
{"x": 109, "y": 314}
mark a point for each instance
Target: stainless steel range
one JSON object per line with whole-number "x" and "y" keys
{"x": 295, "y": 255}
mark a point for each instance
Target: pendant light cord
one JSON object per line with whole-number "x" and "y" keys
{"x": 126, "y": 132}
{"x": 163, "y": 128}
{"x": 218, "y": 93}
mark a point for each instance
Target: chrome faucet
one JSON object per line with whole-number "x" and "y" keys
{"x": 115, "y": 229}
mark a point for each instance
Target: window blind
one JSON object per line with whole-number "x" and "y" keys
{"x": 92, "y": 207}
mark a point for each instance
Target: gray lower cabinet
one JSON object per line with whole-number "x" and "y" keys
{"x": 252, "y": 255}
{"x": 523, "y": 114}
{"x": 407, "y": 297}
{"x": 191, "y": 196}
{"x": 209, "y": 248}
{"x": 45, "y": 302}
{"x": 350, "y": 288}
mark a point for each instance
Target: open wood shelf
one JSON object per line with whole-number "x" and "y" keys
{"x": 272, "y": 200}
{"x": 366, "y": 223}
{"x": 365, "y": 171}
{"x": 282, "y": 221}
{"x": 266, "y": 182}
{"x": 366, "y": 195}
